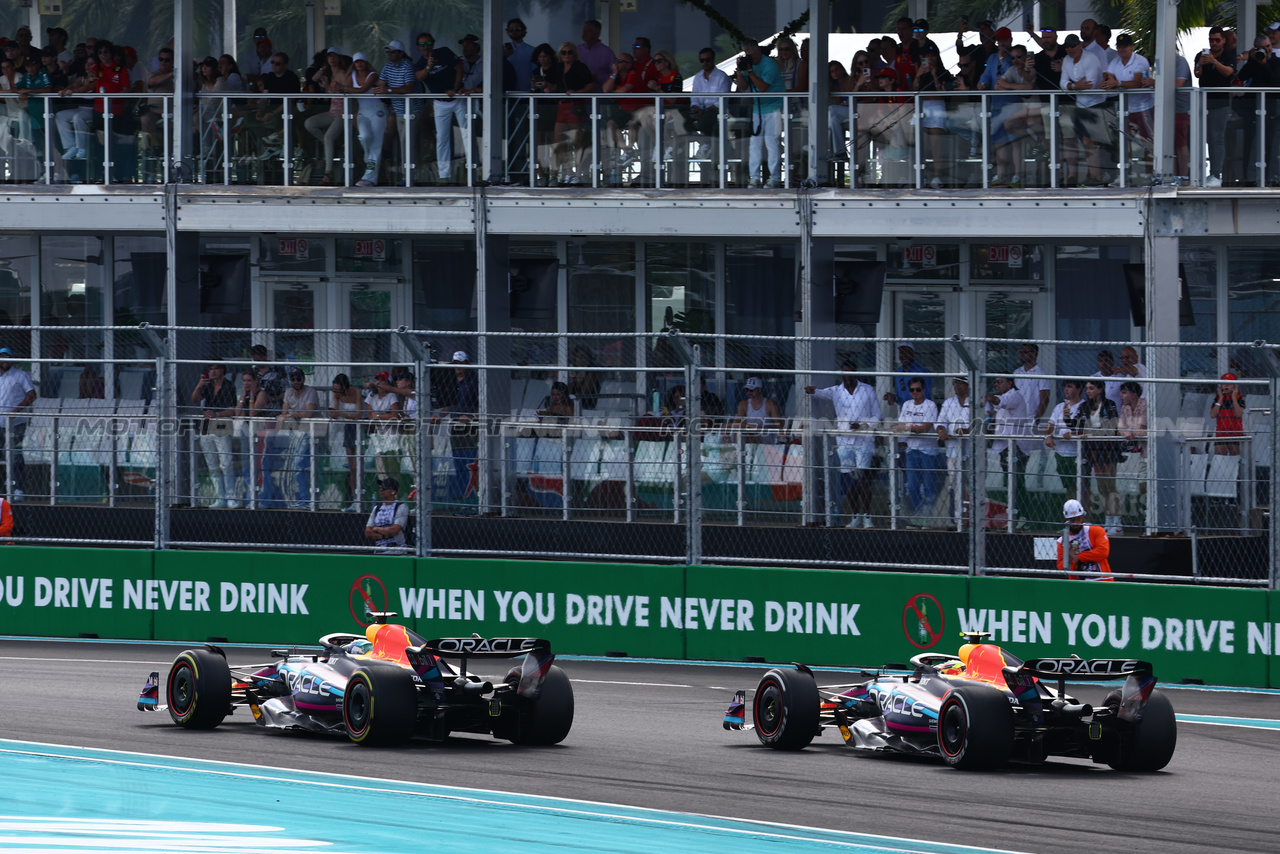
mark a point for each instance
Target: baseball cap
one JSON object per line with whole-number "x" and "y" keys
{"x": 384, "y": 376}
{"x": 358, "y": 56}
{"x": 396, "y": 44}
{"x": 59, "y": 30}
{"x": 4, "y": 351}
{"x": 460, "y": 356}
{"x": 130, "y": 51}
{"x": 1274, "y": 25}
{"x": 906, "y": 344}
{"x": 960, "y": 378}
{"x": 391, "y": 483}
{"x": 333, "y": 50}
{"x": 1124, "y": 40}
{"x": 1071, "y": 41}
{"x": 1072, "y": 509}
{"x": 296, "y": 374}
{"x": 1003, "y": 33}
{"x": 753, "y": 382}
{"x": 921, "y": 24}
{"x": 469, "y": 38}
{"x": 1226, "y": 376}
{"x": 886, "y": 72}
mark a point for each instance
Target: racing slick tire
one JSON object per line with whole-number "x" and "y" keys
{"x": 1149, "y": 744}
{"x": 380, "y": 705}
{"x": 975, "y": 727}
{"x": 786, "y": 709}
{"x": 199, "y": 689}
{"x": 548, "y": 719}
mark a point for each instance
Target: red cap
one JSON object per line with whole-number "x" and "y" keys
{"x": 1003, "y": 33}
{"x": 886, "y": 72}
{"x": 1229, "y": 376}
{"x": 384, "y": 376}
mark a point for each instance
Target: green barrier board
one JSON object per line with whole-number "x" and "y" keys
{"x": 580, "y": 607}
{"x": 69, "y": 592}
{"x": 816, "y": 616}
{"x": 269, "y": 598}
{"x": 1211, "y": 634}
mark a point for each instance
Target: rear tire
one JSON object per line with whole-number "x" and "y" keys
{"x": 548, "y": 719}
{"x": 975, "y": 728}
{"x": 1149, "y": 745}
{"x": 785, "y": 709}
{"x": 380, "y": 705}
{"x": 199, "y": 689}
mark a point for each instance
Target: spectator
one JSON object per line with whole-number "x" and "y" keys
{"x": 326, "y": 127}
{"x": 1131, "y": 367}
{"x": 254, "y": 404}
{"x": 1273, "y": 35}
{"x": 519, "y": 53}
{"x": 1062, "y": 434}
{"x": 57, "y": 40}
{"x": 788, "y": 60}
{"x": 908, "y": 367}
{"x": 13, "y": 113}
{"x": 16, "y": 394}
{"x": 1214, "y": 70}
{"x": 986, "y": 46}
{"x": 916, "y": 418}
{"x": 406, "y": 391}
{"x": 1028, "y": 377}
{"x": 584, "y": 385}
{"x": 216, "y": 396}
{"x": 383, "y": 405}
{"x": 856, "y": 411}
{"x": 557, "y": 408}
{"x": 300, "y": 404}
{"x": 26, "y": 50}
{"x": 347, "y": 406}
{"x": 371, "y": 117}
{"x": 45, "y": 79}
{"x": 999, "y": 63}
{"x": 839, "y": 109}
{"x": 259, "y": 65}
{"x": 1081, "y": 72}
{"x": 1099, "y": 417}
{"x": 1049, "y": 59}
{"x": 710, "y": 406}
{"x": 1133, "y": 429}
{"x": 954, "y": 425}
{"x": 1106, "y": 369}
{"x": 389, "y": 519}
{"x": 1088, "y": 548}
{"x": 544, "y": 59}
{"x": 759, "y": 73}
{"x": 1100, "y": 47}
{"x": 704, "y": 113}
{"x": 757, "y": 415}
{"x": 595, "y": 54}
{"x": 397, "y": 78}
{"x": 466, "y": 81}
{"x": 1261, "y": 69}
{"x": 1008, "y": 408}
{"x": 229, "y": 74}
{"x": 437, "y": 69}
{"x": 623, "y": 78}
{"x": 6, "y": 518}
{"x": 269, "y": 121}
{"x": 1130, "y": 70}
{"x": 931, "y": 76}
{"x": 571, "y": 149}
{"x": 1227, "y": 412}
{"x": 271, "y": 378}
{"x": 159, "y": 82}
{"x": 1014, "y": 117}
{"x": 668, "y": 80}
{"x": 461, "y": 414}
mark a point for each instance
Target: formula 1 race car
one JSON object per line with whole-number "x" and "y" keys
{"x": 378, "y": 688}
{"x": 976, "y": 710}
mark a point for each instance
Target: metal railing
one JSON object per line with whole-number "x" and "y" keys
{"x": 619, "y": 462}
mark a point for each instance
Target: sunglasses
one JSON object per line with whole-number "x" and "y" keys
{"x": 567, "y": 53}
{"x": 425, "y": 44}
{"x": 914, "y": 389}
{"x": 660, "y": 59}
{"x": 263, "y": 36}
{"x": 637, "y": 46}
{"x": 706, "y": 59}
{"x": 276, "y": 62}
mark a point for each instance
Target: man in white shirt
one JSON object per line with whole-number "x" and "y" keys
{"x": 705, "y": 112}
{"x": 1009, "y": 410}
{"x": 16, "y": 394}
{"x": 1130, "y": 70}
{"x": 1028, "y": 379}
{"x": 1100, "y": 47}
{"x": 1062, "y": 434}
{"x": 916, "y": 418}
{"x": 1107, "y": 369}
{"x": 856, "y": 410}
{"x": 1130, "y": 367}
{"x": 1081, "y": 72}
{"x": 954, "y": 424}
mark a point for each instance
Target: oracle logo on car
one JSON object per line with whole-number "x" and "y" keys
{"x": 1078, "y": 666}
{"x": 457, "y": 645}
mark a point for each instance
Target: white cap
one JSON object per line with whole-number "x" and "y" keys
{"x": 396, "y": 44}
{"x": 460, "y": 356}
{"x": 753, "y": 382}
{"x": 358, "y": 56}
{"x": 333, "y": 50}
{"x": 1274, "y": 25}
{"x": 1072, "y": 508}
{"x": 907, "y": 344}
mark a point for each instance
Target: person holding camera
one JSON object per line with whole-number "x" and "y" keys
{"x": 1261, "y": 69}
{"x": 1214, "y": 70}
{"x": 216, "y": 397}
{"x": 1228, "y": 413}
{"x": 759, "y": 73}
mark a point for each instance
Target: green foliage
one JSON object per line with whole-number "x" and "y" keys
{"x": 945, "y": 15}
{"x": 736, "y": 35}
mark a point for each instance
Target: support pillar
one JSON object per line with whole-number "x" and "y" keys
{"x": 1165, "y": 70}
{"x": 1163, "y": 399}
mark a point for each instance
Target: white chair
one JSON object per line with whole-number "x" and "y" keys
{"x": 1197, "y": 470}
{"x": 1223, "y": 478}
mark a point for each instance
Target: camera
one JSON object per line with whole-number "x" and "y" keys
{"x": 744, "y": 64}
{"x": 1259, "y": 56}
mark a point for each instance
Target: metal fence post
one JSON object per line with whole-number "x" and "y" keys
{"x": 693, "y": 430}
{"x": 975, "y": 476}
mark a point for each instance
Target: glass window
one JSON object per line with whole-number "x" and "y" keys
{"x": 1092, "y": 304}
{"x": 1200, "y": 264}
{"x": 680, "y": 295}
{"x": 1006, "y": 262}
{"x": 760, "y": 292}
{"x": 444, "y": 293}
{"x": 919, "y": 261}
{"x": 225, "y": 301}
{"x": 1253, "y": 300}
{"x": 368, "y": 255}
{"x": 602, "y": 299}
{"x": 72, "y": 293}
{"x": 17, "y": 264}
{"x": 140, "y": 283}
{"x": 535, "y": 285}
{"x": 292, "y": 254}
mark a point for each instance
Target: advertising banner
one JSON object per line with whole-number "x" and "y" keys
{"x": 68, "y": 592}
{"x": 1219, "y": 636}
{"x": 816, "y": 616}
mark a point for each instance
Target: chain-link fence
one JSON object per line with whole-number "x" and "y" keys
{"x": 716, "y": 449}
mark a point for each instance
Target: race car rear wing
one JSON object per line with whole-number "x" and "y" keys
{"x": 1078, "y": 668}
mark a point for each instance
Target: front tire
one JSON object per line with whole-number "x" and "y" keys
{"x": 1149, "y": 745}
{"x": 199, "y": 689}
{"x": 975, "y": 728}
{"x": 380, "y": 704}
{"x": 548, "y": 719}
{"x": 785, "y": 709}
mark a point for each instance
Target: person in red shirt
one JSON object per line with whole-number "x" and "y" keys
{"x": 1088, "y": 549}
{"x": 1228, "y": 412}
{"x": 113, "y": 77}
{"x": 6, "y": 518}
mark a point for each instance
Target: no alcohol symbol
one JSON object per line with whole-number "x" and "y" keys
{"x": 368, "y": 594}
{"x": 923, "y": 621}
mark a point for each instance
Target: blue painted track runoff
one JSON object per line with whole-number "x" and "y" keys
{"x": 96, "y": 801}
